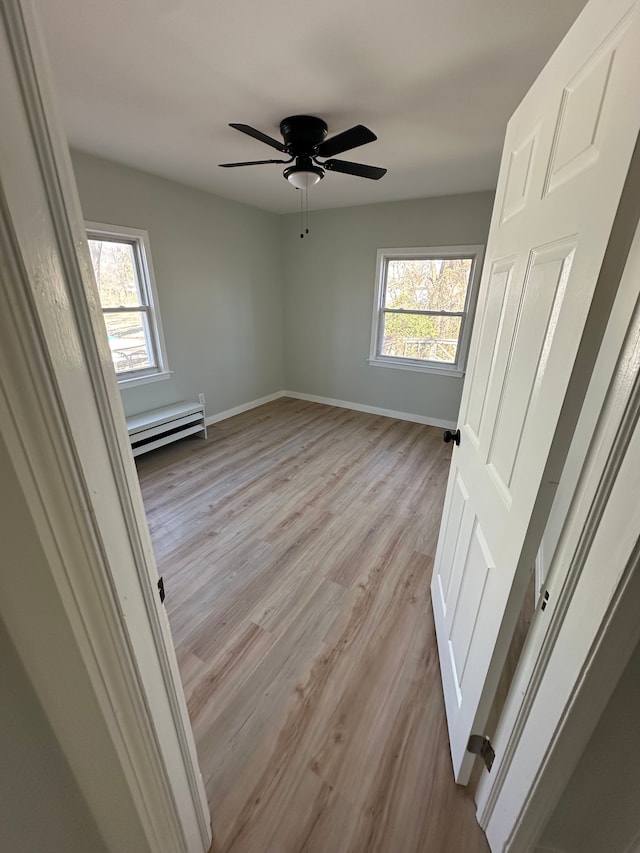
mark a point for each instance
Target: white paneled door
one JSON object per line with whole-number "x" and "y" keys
{"x": 566, "y": 156}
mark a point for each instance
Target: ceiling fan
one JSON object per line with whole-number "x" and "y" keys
{"x": 305, "y": 142}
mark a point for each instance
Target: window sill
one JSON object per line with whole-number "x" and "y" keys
{"x": 133, "y": 381}
{"x": 397, "y": 364}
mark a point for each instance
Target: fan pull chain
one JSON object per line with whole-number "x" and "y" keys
{"x": 301, "y": 216}
{"x": 304, "y": 212}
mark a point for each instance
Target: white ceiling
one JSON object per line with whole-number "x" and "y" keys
{"x": 154, "y": 83}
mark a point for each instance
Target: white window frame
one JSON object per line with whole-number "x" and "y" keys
{"x": 146, "y": 278}
{"x": 376, "y": 359}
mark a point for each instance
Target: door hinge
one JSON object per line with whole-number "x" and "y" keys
{"x": 481, "y": 745}
{"x": 161, "y": 589}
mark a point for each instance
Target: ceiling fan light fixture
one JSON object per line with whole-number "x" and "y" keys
{"x": 303, "y": 177}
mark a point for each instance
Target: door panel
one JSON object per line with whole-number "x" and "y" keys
{"x": 477, "y": 565}
{"x": 449, "y": 581}
{"x": 565, "y": 160}
{"x": 491, "y": 330}
{"x": 577, "y": 139}
{"x": 519, "y": 171}
{"x": 540, "y": 304}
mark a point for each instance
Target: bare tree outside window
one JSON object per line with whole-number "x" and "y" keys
{"x": 121, "y": 270}
{"x": 423, "y": 302}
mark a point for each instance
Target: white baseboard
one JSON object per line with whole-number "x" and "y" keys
{"x": 329, "y": 401}
{"x": 372, "y": 410}
{"x": 244, "y": 407}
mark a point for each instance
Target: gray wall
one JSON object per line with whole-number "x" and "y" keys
{"x": 248, "y": 308}
{"x": 41, "y": 807}
{"x": 329, "y": 291}
{"x": 217, "y": 267}
{"x": 599, "y": 811}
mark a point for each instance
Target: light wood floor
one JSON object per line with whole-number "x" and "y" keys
{"x": 297, "y": 545}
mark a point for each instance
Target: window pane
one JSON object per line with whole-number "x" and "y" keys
{"x": 115, "y": 270}
{"x": 129, "y": 341}
{"x": 428, "y": 284}
{"x": 422, "y": 337}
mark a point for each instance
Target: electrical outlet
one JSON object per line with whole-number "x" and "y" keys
{"x": 201, "y": 399}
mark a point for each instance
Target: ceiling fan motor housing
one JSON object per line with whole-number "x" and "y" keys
{"x": 302, "y": 134}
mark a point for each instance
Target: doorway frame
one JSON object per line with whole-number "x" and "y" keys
{"x": 117, "y": 629}
{"x": 62, "y": 422}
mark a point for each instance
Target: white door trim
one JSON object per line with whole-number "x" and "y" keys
{"x": 538, "y": 742}
{"x": 62, "y": 422}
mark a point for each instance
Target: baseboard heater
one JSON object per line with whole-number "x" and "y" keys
{"x": 150, "y": 430}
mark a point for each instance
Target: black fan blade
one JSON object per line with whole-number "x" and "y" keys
{"x": 252, "y": 163}
{"x": 352, "y": 138}
{"x": 358, "y": 169}
{"x": 261, "y": 137}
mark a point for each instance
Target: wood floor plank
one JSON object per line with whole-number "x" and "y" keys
{"x": 297, "y": 544}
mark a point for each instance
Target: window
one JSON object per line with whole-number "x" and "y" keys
{"x": 424, "y": 306}
{"x": 121, "y": 262}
